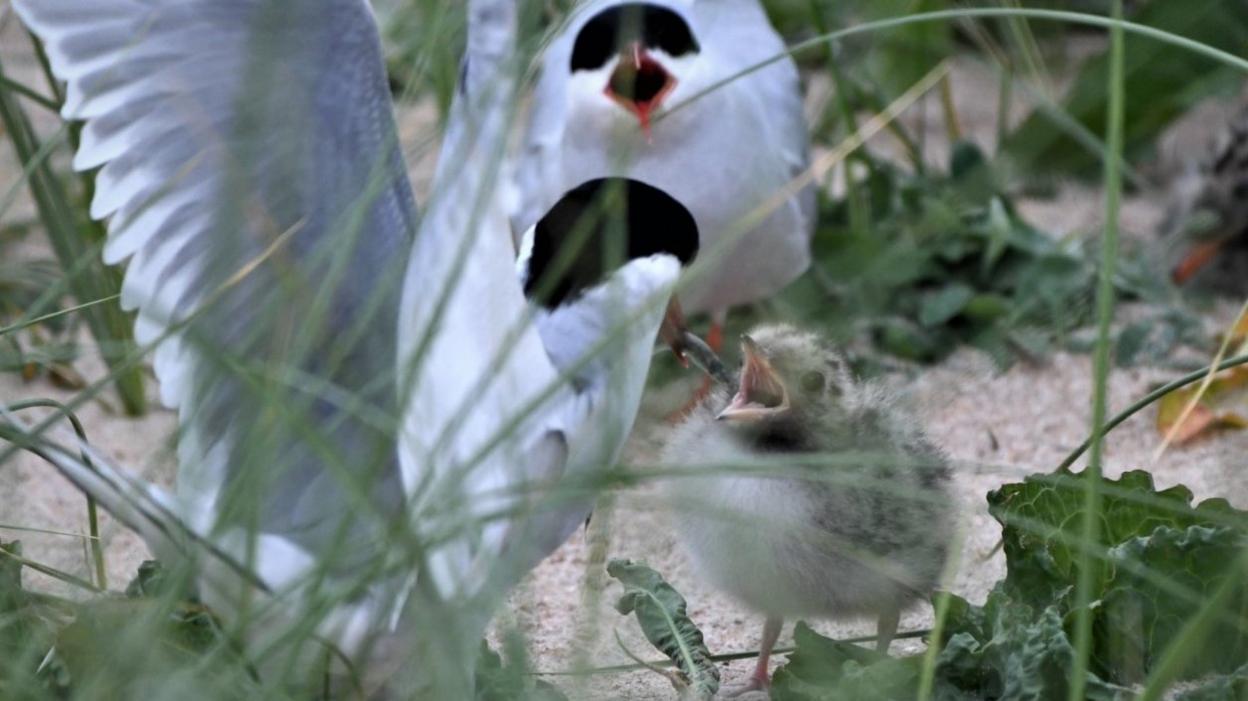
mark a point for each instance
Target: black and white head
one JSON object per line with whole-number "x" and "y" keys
{"x": 630, "y": 59}
{"x": 606, "y": 237}
{"x": 790, "y": 379}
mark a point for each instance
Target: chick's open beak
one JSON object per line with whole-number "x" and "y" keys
{"x": 673, "y": 331}
{"x": 761, "y": 393}
{"x": 639, "y": 84}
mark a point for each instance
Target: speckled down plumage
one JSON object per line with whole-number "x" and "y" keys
{"x": 864, "y": 532}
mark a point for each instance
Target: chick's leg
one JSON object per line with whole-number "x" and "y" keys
{"x": 760, "y": 679}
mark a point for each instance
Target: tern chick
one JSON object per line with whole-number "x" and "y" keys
{"x": 1209, "y": 209}
{"x": 846, "y": 509}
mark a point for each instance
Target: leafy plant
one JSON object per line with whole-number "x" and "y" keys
{"x": 661, "y": 613}
{"x": 1158, "y": 562}
{"x": 949, "y": 261}
{"x": 510, "y": 680}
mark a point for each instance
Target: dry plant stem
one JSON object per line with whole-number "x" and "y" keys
{"x": 1200, "y": 391}
{"x": 1148, "y": 399}
{"x": 1105, "y": 309}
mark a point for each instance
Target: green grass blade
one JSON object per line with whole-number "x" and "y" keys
{"x": 1101, "y": 358}
{"x": 110, "y": 327}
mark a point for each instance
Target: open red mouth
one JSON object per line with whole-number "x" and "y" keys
{"x": 639, "y": 84}
{"x": 761, "y": 392}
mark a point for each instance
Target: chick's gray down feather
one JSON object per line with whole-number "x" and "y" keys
{"x": 868, "y": 530}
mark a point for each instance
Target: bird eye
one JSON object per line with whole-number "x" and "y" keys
{"x": 812, "y": 382}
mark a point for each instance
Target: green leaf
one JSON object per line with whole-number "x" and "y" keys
{"x": 497, "y": 680}
{"x": 661, "y": 611}
{"x": 152, "y": 580}
{"x": 1009, "y": 650}
{"x": 1040, "y": 525}
{"x": 822, "y": 668}
{"x": 1141, "y": 615}
{"x": 940, "y": 306}
{"x": 1157, "y": 561}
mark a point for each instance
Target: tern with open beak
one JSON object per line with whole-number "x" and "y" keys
{"x": 857, "y": 517}
{"x": 614, "y": 99}
{"x": 541, "y": 358}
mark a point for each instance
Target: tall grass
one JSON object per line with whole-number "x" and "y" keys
{"x": 285, "y": 395}
{"x": 76, "y": 241}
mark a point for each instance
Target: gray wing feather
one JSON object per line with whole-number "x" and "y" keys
{"x": 251, "y": 175}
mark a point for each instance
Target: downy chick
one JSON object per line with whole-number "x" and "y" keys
{"x": 1209, "y": 208}
{"x": 849, "y": 511}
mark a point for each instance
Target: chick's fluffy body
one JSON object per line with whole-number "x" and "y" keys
{"x": 864, "y": 529}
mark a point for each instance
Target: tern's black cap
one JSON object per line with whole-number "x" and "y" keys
{"x": 610, "y": 31}
{"x": 588, "y": 219}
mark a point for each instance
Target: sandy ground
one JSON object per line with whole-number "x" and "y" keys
{"x": 996, "y": 426}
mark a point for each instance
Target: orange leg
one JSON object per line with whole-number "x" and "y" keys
{"x": 760, "y": 679}
{"x": 1196, "y": 259}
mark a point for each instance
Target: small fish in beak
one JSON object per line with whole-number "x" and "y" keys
{"x": 674, "y": 332}
{"x": 761, "y": 393}
{"x": 639, "y": 84}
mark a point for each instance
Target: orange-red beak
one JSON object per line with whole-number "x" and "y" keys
{"x": 1196, "y": 259}
{"x": 639, "y": 84}
{"x": 673, "y": 331}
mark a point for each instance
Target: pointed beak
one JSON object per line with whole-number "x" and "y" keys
{"x": 639, "y": 84}
{"x": 761, "y": 394}
{"x": 673, "y": 331}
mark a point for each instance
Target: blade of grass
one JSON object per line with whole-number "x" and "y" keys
{"x": 93, "y": 517}
{"x": 13, "y": 85}
{"x": 42, "y": 531}
{"x": 53, "y": 315}
{"x": 52, "y": 572}
{"x": 1105, "y": 309}
{"x": 109, "y": 326}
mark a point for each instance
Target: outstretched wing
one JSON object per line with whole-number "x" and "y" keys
{"x": 250, "y": 172}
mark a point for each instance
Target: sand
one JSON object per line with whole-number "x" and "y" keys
{"x": 996, "y": 426}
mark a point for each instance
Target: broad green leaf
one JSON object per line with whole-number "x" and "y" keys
{"x": 822, "y": 668}
{"x": 661, "y": 611}
{"x": 1157, "y": 560}
{"x": 1141, "y": 612}
{"x": 1009, "y": 650}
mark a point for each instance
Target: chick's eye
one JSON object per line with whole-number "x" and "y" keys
{"x": 812, "y": 382}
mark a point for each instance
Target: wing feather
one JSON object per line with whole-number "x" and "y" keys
{"x": 250, "y": 136}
